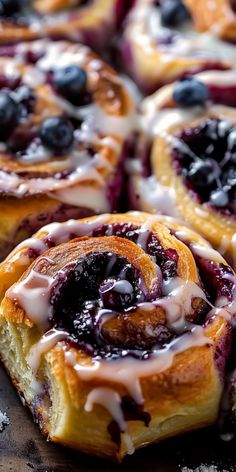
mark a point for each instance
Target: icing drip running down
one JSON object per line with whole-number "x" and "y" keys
{"x": 112, "y": 288}
{"x": 128, "y": 372}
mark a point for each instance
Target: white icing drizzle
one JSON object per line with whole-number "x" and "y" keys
{"x": 111, "y": 401}
{"x": 178, "y": 302}
{"x": 144, "y": 28}
{"x": 32, "y": 294}
{"x": 47, "y": 342}
{"x": 128, "y": 371}
{"x": 33, "y": 243}
{"x": 123, "y": 287}
{"x": 84, "y": 196}
{"x": 33, "y": 77}
{"x": 207, "y": 253}
{"x": 155, "y": 119}
{"x": 155, "y": 196}
{"x": 59, "y": 233}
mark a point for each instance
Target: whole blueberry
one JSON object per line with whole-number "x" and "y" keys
{"x": 115, "y": 293}
{"x": 190, "y": 92}
{"x": 219, "y": 198}
{"x": 70, "y": 81}
{"x": 9, "y": 7}
{"x": 202, "y": 173}
{"x": 8, "y": 112}
{"x": 173, "y": 12}
{"x": 56, "y": 133}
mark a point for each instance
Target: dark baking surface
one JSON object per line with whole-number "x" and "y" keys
{"x": 23, "y": 449}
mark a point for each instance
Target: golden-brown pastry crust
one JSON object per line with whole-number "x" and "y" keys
{"x": 69, "y": 407}
{"x": 217, "y": 16}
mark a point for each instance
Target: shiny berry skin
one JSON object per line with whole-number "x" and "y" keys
{"x": 173, "y": 12}
{"x": 8, "y": 112}
{"x": 70, "y": 81}
{"x": 219, "y": 198}
{"x": 9, "y": 7}
{"x": 56, "y": 133}
{"x": 116, "y": 294}
{"x": 202, "y": 173}
{"x": 190, "y": 92}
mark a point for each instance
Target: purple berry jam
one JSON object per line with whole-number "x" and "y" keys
{"x": 206, "y": 158}
{"x": 223, "y": 95}
{"x": 104, "y": 286}
{"x": 167, "y": 260}
{"x": 217, "y": 274}
{"x": 93, "y": 284}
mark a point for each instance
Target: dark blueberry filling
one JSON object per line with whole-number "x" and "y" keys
{"x": 9, "y": 8}
{"x": 104, "y": 288}
{"x": 173, "y": 13}
{"x": 206, "y": 158}
{"x": 220, "y": 285}
{"x": 97, "y": 282}
{"x": 15, "y": 11}
{"x": 167, "y": 259}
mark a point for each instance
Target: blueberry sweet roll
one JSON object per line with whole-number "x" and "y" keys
{"x": 90, "y": 22}
{"x": 116, "y": 330}
{"x": 64, "y": 119}
{"x": 190, "y": 171}
{"x": 160, "y": 43}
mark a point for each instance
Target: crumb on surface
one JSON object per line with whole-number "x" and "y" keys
{"x": 205, "y": 468}
{"x": 4, "y": 421}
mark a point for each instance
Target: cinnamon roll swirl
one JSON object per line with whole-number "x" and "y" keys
{"x": 128, "y": 334}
